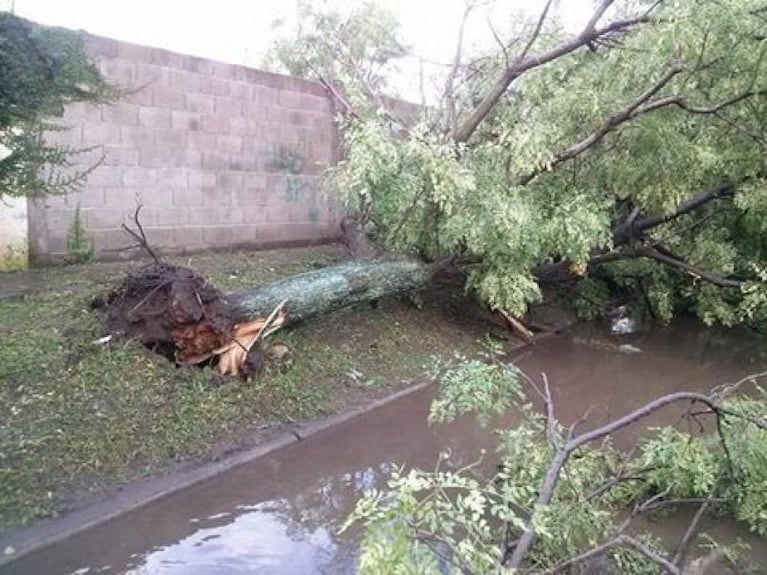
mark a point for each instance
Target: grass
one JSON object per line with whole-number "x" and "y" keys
{"x": 77, "y": 417}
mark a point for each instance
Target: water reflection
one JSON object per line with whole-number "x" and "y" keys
{"x": 281, "y": 514}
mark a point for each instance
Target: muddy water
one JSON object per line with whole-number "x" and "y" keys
{"x": 280, "y": 514}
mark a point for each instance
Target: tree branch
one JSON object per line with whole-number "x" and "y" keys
{"x": 680, "y": 264}
{"x": 524, "y": 64}
{"x": 539, "y": 26}
{"x": 692, "y": 529}
{"x": 450, "y": 107}
{"x": 619, "y": 541}
{"x": 140, "y": 236}
{"x": 630, "y": 229}
{"x": 635, "y": 108}
{"x": 546, "y": 491}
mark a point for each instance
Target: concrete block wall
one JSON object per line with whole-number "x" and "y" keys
{"x": 219, "y": 156}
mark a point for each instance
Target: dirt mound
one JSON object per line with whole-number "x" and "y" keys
{"x": 172, "y": 310}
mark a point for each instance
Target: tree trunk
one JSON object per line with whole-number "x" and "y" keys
{"x": 319, "y": 292}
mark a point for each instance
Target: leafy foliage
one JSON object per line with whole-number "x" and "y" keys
{"x": 573, "y": 156}
{"x": 41, "y": 70}
{"x": 467, "y": 518}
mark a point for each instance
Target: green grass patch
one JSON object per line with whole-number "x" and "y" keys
{"x": 77, "y": 416}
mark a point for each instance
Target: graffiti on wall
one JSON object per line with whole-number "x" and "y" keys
{"x": 300, "y": 188}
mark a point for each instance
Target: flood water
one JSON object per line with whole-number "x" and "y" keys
{"x": 280, "y": 514}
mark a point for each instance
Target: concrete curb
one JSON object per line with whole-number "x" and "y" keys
{"x": 139, "y": 494}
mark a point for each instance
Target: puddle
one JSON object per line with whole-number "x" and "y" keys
{"x": 280, "y": 514}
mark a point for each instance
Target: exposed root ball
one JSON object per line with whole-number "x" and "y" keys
{"x": 172, "y": 310}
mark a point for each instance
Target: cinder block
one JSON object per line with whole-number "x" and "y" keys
{"x": 255, "y": 111}
{"x": 184, "y": 81}
{"x": 199, "y": 103}
{"x": 140, "y": 96}
{"x": 248, "y": 197}
{"x": 161, "y": 237}
{"x": 316, "y": 104}
{"x": 170, "y": 178}
{"x": 121, "y": 72}
{"x": 185, "y": 120}
{"x": 121, "y": 197}
{"x": 163, "y": 97}
{"x": 289, "y": 99}
{"x": 154, "y": 117}
{"x": 229, "y": 144}
{"x": 201, "y": 178}
{"x": 139, "y": 177}
{"x": 159, "y": 197}
{"x": 187, "y": 198}
{"x": 215, "y": 161}
{"x": 149, "y": 75}
{"x": 253, "y": 214}
{"x": 256, "y": 181}
{"x": 241, "y": 90}
{"x": 197, "y": 216}
{"x": 222, "y": 70}
{"x": 136, "y": 136}
{"x": 265, "y": 95}
{"x": 100, "y": 134}
{"x": 220, "y": 236}
{"x": 119, "y": 156}
{"x": 113, "y": 241}
{"x": 100, "y": 46}
{"x": 215, "y": 124}
{"x": 169, "y": 157}
{"x": 216, "y": 197}
{"x": 198, "y": 65}
{"x": 276, "y": 214}
{"x": 230, "y": 181}
{"x": 202, "y": 142}
{"x": 89, "y": 196}
{"x": 215, "y": 86}
{"x": 172, "y": 217}
{"x": 134, "y": 52}
{"x": 105, "y": 176}
{"x": 189, "y": 238}
{"x": 227, "y": 107}
{"x": 77, "y": 111}
{"x": 168, "y": 59}
{"x": 175, "y": 139}
{"x": 120, "y": 113}
{"x": 97, "y": 218}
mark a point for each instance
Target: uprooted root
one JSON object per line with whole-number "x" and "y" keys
{"x": 171, "y": 310}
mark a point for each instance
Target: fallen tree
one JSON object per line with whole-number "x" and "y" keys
{"x": 176, "y": 312}
{"x": 624, "y": 157}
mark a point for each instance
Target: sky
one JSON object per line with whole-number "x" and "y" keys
{"x": 240, "y": 31}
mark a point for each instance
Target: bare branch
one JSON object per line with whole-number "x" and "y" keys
{"x": 538, "y": 27}
{"x": 140, "y": 236}
{"x": 600, "y": 11}
{"x": 449, "y": 96}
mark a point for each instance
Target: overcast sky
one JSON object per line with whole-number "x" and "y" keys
{"x": 240, "y": 31}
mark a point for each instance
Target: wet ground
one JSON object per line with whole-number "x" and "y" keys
{"x": 280, "y": 514}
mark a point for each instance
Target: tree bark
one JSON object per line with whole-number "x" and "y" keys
{"x": 319, "y": 292}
